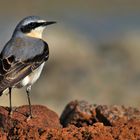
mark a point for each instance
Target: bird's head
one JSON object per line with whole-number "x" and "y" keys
{"x": 32, "y": 26}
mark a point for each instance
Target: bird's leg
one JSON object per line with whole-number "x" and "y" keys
{"x": 28, "y": 90}
{"x": 10, "y": 102}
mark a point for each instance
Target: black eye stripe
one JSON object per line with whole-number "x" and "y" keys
{"x": 34, "y": 25}
{"x": 27, "y": 28}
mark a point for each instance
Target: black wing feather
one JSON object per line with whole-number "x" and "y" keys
{"x": 12, "y": 72}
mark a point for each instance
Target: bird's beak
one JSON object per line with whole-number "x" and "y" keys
{"x": 49, "y": 23}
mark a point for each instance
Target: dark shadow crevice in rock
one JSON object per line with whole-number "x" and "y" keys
{"x": 101, "y": 118}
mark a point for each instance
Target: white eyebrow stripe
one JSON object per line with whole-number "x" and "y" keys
{"x": 40, "y": 21}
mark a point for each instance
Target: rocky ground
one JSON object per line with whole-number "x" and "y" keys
{"x": 79, "y": 121}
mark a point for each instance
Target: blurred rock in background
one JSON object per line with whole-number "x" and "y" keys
{"x": 94, "y": 51}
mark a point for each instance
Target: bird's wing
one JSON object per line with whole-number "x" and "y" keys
{"x": 13, "y": 71}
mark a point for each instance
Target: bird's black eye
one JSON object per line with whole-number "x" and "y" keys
{"x": 32, "y": 25}
{"x": 27, "y": 28}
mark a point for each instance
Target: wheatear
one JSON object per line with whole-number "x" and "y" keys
{"x": 23, "y": 57}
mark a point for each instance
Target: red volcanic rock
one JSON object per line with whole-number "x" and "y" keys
{"x": 78, "y": 113}
{"x": 114, "y": 122}
{"x": 81, "y": 113}
{"x": 19, "y": 126}
{"x": 80, "y": 121}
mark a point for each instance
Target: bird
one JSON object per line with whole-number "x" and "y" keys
{"x": 23, "y": 57}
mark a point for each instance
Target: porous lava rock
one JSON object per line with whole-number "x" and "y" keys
{"x": 18, "y": 125}
{"x": 80, "y": 120}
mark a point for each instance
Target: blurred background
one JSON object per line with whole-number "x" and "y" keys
{"x": 94, "y": 51}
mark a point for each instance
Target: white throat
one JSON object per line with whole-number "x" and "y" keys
{"x": 37, "y": 32}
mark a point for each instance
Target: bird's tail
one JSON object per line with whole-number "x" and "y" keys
{"x": 4, "y": 84}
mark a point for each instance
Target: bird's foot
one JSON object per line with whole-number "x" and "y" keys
{"x": 29, "y": 116}
{"x": 10, "y": 113}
